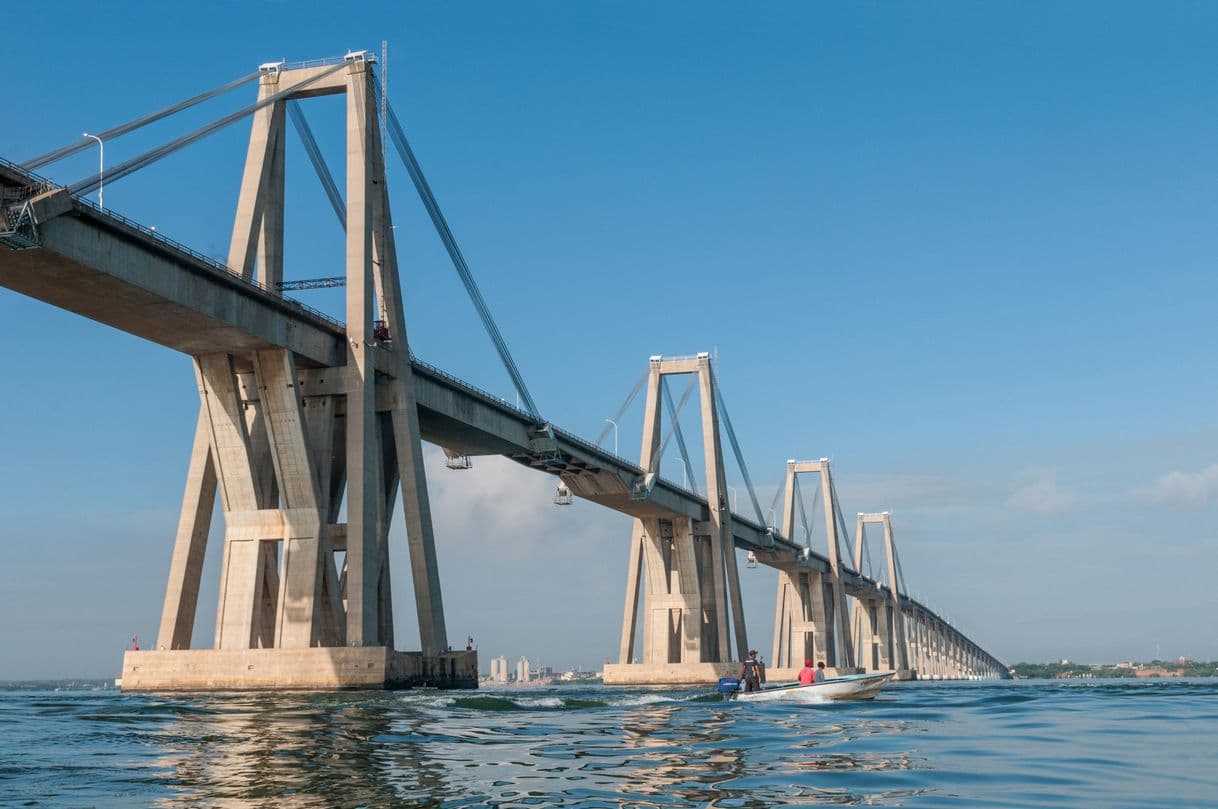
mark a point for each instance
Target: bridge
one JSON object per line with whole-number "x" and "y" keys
{"x": 309, "y": 428}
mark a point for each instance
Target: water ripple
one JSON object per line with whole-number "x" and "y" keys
{"x": 1026, "y": 744}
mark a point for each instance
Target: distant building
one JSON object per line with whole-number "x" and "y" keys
{"x": 499, "y": 670}
{"x": 543, "y": 673}
{"x": 522, "y": 670}
{"x": 1124, "y": 664}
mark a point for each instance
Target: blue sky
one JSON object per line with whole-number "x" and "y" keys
{"x": 963, "y": 249}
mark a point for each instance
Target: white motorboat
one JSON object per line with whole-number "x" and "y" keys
{"x": 847, "y": 687}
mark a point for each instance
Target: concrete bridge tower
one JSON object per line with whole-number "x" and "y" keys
{"x": 691, "y": 603}
{"x": 305, "y": 599}
{"x": 811, "y": 618}
{"x": 878, "y": 623}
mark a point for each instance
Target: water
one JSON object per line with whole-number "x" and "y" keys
{"x": 1115, "y": 743}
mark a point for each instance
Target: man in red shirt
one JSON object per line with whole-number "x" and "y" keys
{"x": 807, "y": 675}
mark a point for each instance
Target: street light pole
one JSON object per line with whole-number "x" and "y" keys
{"x": 732, "y": 490}
{"x": 614, "y": 423}
{"x": 101, "y": 168}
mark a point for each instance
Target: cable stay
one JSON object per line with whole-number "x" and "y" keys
{"x": 731, "y": 437}
{"x": 131, "y": 126}
{"x": 676, "y": 425}
{"x": 147, "y": 158}
{"x": 398, "y": 135}
{"x": 899, "y": 574}
{"x": 319, "y": 164}
{"x": 839, "y": 519}
{"x": 803, "y": 515}
{"x": 621, "y": 410}
{"x": 870, "y": 567}
{"x": 812, "y": 518}
{"x": 778, "y": 493}
{"x": 691, "y": 482}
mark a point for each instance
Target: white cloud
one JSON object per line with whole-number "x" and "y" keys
{"x": 1193, "y": 489}
{"x": 1039, "y": 493}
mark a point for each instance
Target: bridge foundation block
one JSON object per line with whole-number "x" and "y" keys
{"x": 668, "y": 673}
{"x": 317, "y": 668}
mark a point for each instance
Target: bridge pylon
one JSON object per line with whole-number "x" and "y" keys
{"x": 879, "y": 624}
{"x": 810, "y": 617}
{"x": 692, "y": 612}
{"x": 305, "y": 598}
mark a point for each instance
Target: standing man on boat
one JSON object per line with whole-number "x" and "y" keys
{"x": 807, "y": 675}
{"x": 820, "y": 671}
{"x": 753, "y": 672}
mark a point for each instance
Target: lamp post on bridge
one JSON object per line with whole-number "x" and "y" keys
{"x": 684, "y": 476}
{"x": 614, "y": 423}
{"x": 101, "y": 168}
{"x": 732, "y": 491}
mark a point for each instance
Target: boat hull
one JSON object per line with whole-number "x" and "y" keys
{"x": 849, "y": 687}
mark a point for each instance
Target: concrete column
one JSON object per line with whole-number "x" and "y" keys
{"x": 299, "y": 599}
{"x": 883, "y": 636}
{"x": 720, "y": 514}
{"x": 363, "y": 574}
{"x": 194, "y": 525}
{"x": 840, "y": 611}
{"x": 799, "y": 618}
{"x": 687, "y": 585}
{"x": 408, "y": 447}
{"x": 242, "y": 571}
{"x": 900, "y": 659}
{"x": 270, "y": 240}
{"x": 634, "y": 574}
{"x": 327, "y": 446}
{"x": 260, "y": 164}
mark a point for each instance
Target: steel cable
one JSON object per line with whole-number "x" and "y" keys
{"x": 731, "y": 436}
{"x": 147, "y": 158}
{"x": 398, "y": 135}
{"x": 130, "y": 126}
{"x": 638, "y": 385}
{"x": 319, "y": 162}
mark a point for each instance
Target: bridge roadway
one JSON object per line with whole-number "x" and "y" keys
{"x": 113, "y": 270}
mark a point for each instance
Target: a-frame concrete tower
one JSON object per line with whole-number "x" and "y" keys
{"x": 878, "y": 623}
{"x": 305, "y": 597}
{"x": 691, "y": 604}
{"x": 811, "y": 618}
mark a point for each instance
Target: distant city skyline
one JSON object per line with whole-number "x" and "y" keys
{"x": 966, "y": 251}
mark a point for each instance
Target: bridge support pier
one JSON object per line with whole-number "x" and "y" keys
{"x": 686, "y": 570}
{"x": 878, "y": 621}
{"x": 305, "y": 600}
{"x": 810, "y": 618}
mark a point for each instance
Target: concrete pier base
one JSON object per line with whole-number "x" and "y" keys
{"x": 668, "y": 673}
{"x": 316, "y": 668}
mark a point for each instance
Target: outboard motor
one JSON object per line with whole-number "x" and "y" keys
{"x": 728, "y": 686}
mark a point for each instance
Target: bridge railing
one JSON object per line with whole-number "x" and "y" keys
{"x": 212, "y": 263}
{"x": 36, "y": 183}
{"x": 497, "y": 401}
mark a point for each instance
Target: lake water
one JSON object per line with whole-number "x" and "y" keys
{"x": 1114, "y": 743}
